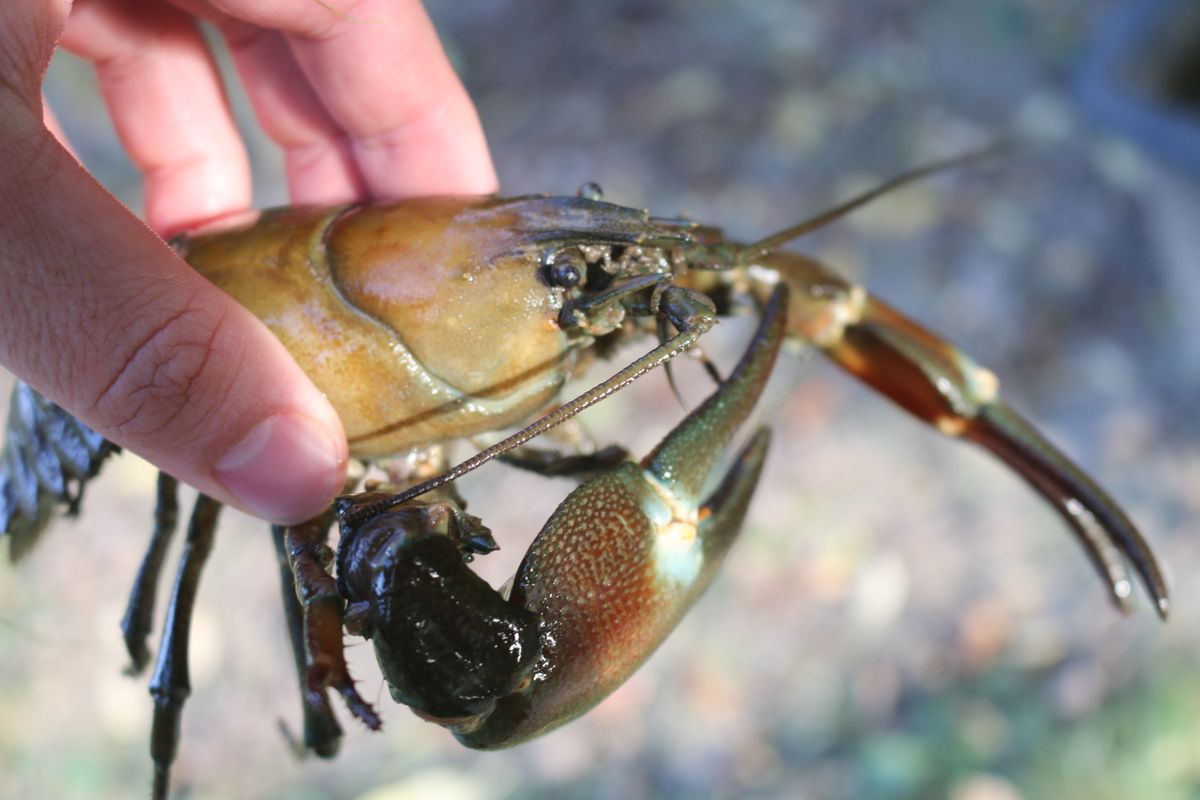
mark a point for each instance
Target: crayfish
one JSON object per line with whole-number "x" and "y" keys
{"x": 377, "y": 303}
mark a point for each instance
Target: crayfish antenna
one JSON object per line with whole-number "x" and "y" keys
{"x": 748, "y": 253}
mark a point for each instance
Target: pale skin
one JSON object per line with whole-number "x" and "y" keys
{"x": 103, "y": 318}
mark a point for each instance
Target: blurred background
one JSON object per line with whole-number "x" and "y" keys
{"x": 902, "y": 618}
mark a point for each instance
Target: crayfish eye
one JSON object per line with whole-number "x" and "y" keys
{"x": 591, "y": 191}
{"x": 562, "y": 273}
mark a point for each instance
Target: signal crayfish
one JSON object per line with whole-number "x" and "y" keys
{"x": 378, "y": 303}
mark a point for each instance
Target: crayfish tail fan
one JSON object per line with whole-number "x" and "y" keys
{"x": 48, "y": 458}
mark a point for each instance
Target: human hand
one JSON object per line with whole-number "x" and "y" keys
{"x": 98, "y": 314}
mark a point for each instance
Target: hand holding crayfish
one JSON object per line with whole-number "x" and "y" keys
{"x": 106, "y": 320}
{"x": 427, "y": 322}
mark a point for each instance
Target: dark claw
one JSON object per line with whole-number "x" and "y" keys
{"x": 1098, "y": 522}
{"x": 940, "y": 385}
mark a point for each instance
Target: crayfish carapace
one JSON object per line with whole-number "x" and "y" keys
{"x": 434, "y": 319}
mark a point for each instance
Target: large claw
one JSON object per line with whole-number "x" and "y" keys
{"x": 447, "y": 643}
{"x": 611, "y": 573}
{"x": 940, "y": 385}
{"x": 627, "y": 553}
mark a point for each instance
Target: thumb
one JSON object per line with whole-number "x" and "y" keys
{"x": 98, "y": 314}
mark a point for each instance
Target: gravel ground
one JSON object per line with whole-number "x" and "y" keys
{"x": 903, "y": 618}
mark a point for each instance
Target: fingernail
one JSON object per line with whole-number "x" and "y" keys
{"x": 281, "y": 468}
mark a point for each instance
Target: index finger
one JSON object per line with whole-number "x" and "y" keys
{"x": 381, "y": 72}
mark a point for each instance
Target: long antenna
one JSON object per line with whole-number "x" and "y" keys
{"x": 775, "y": 240}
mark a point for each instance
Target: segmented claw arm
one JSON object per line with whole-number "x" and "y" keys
{"x": 940, "y": 385}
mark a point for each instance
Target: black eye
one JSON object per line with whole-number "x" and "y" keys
{"x": 591, "y": 191}
{"x": 562, "y": 272}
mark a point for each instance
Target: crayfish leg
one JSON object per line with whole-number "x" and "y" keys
{"x": 940, "y": 385}
{"x": 323, "y": 611}
{"x": 171, "y": 684}
{"x": 139, "y": 613}
{"x": 322, "y": 733}
{"x": 553, "y": 464}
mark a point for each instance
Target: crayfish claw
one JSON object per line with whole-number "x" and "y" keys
{"x": 627, "y": 553}
{"x": 1104, "y": 530}
{"x": 447, "y": 643}
{"x": 942, "y": 386}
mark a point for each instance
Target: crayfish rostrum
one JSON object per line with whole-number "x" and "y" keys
{"x": 435, "y": 319}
